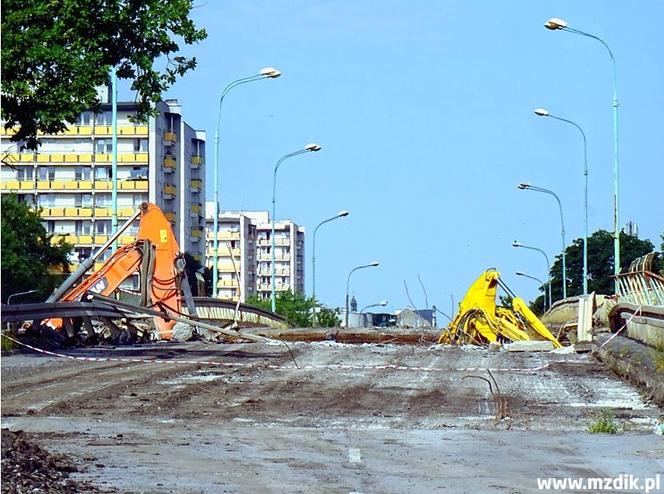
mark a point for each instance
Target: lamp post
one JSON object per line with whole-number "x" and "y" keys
{"x": 548, "y": 266}
{"x": 545, "y": 113}
{"x": 340, "y": 214}
{"x": 559, "y": 24}
{"x": 525, "y": 186}
{"x": 309, "y": 148}
{"x": 266, "y": 73}
{"x": 520, "y": 273}
{"x": 370, "y": 265}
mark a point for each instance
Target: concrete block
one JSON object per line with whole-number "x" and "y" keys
{"x": 529, "y": 346}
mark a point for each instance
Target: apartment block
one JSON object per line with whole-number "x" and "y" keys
{"x": 70, "y": 176}
{"x": 245, "y": 254}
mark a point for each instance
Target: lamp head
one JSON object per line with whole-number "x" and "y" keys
{"x": 383, "y": 303}
{"x": 516, "y": 243}
{"x": 270, "y": 72}
{"x": 520, "y": 273}
{"x": 542, "y": 112}
{"x": 374, "y": 264}
{"x": 341, "y": 214}
{"x": 523, "y": 186}
{"x": 313, "y": 147}
{"x": 554, "y": 24}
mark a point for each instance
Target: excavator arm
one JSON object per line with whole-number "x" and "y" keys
{"x": 479, "y": 321}
{"x": 154, "y": 255}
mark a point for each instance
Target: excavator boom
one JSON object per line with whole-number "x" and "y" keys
{"x": 479, "y": 321}
{"x": 154, "y": 255}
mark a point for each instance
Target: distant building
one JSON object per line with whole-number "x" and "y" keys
{"x": 411, "y": 318}
{"x": 69, "y": 176}
{"x": 245, "y": 254}
{"x": 631, "y": 228}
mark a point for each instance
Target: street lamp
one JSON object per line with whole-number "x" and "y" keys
{"x": 545, "y": 113}
{"x": 519, "y": 273}
{"x": 525, "y": 186}
{"x": 548, "y": 266}
{"x": 340, "y": 214}
{"x": 383, "y": 303}
{"x": 266, "y": 73}
{"x": 309, "y": 148}
{"x": 379, "y": 304}
{"x": 18, "y": 294}
{"x": 555, "y": 24}
{"x": 370, "y": 265}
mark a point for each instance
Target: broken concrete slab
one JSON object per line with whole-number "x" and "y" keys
{"x": 529, "y": 346}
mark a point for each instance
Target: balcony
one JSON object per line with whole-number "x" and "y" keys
{"x": 169, "y": 137}
{"x": 124, "y": 158}
{"x": 195, "y": 233}
{"x": 196, "y": 208}
{"x": 78, "y": 130}
{"x": 196, "y": 161}
{"x": 170, "y": 216}
{"x": 13, "y": 184}
{"x": 130, "y": 184}
{"x": 19, "y": 158}
{"x": 196, "y": 185}
{"x": 224, "y": 235}
{"x": 7, "y": 132}
{"x": 127, "y": 239}
{"x": 169, "y": 163}
{"x": 123, "y": 130}
{"x": 169, "y": 191}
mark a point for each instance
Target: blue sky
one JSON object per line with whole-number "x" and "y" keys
{"x": 424, "y": 112}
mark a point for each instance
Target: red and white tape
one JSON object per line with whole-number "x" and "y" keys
{"x": 361, "y": 367}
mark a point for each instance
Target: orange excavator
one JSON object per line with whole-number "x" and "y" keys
{"x": 154, "y": 255}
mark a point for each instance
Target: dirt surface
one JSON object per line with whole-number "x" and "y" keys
{"x": 340, "y": 418}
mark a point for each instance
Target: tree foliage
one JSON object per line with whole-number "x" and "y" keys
{"x": 28, "y": 257}
{"x": 54, "y": 53}
{"x": 298, "y": 309}
{"x": 600, "y": 263}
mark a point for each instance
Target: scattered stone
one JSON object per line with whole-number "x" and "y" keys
{"x": 26, "y": 467}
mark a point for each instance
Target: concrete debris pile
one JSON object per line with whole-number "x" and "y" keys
{"x": 28, "y": 468}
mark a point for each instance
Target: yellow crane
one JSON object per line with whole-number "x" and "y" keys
{"x": 479, "y": 321}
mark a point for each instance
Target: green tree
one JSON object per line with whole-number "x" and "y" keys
{"x": 296, "y": 308}
{"x": 600, "y": 263}
{"x": 327, "y": 318}
{"x": 54, "y": 53}
{"x": 29, "y": 259}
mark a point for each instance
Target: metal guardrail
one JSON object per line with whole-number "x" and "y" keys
{"x": 37, "y": 312}
{"x": 224, "y": 310}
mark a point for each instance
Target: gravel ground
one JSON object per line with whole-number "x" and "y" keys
{"x": 348, "y": 418}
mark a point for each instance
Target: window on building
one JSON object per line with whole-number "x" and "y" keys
{"x": 49, "y": 226}
{"x": 104, "y": 118}
{"x": 140, "y": 145}
{"x": 102, "y": 200}
{"x": 138, "y": 199}
{"x": 83, "y": 227}
{"x": 138, "y": 172}
{"x": 25, "y": 172}
{"x": 83, "y": 173}
{"x": 83, "y": 200}
{"x": 103, "y": 173}
{"x": 103, "y": 227}
{"x": 46, "y": 200}
{"x": 46, "y": 173}
{"x": 104, "y": 146}
{"x": 84, "y": 118}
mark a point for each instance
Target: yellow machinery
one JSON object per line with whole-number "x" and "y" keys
{"x": 479, "y": 321}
